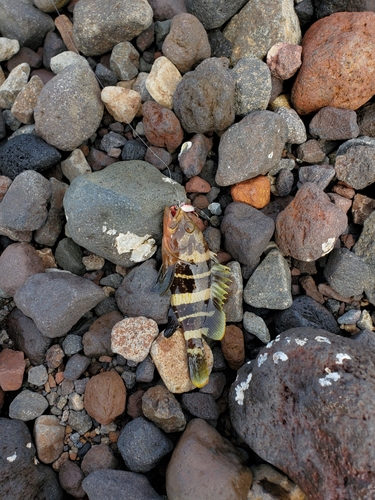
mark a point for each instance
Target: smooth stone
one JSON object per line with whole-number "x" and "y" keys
{"x": 233, "y": 346}
{"x": 97, "y": 458}
{"x": 161, "y": 126}
{"x": 37, "y": 375}
{"x": 295, "y": 126}
{"x": 69, "y": 255}
{"x": 76, "y": 366}
{"x": 70, "y": 477}
{"x": 97, "y": 340}
{"x": 49, "y": 438}
{"x": 162, "y": 81}
{"x": 27, "y": 405}
{"x": 200, "y": 405}
{"x": 256, "y": 326}
{"x": 132, "y": 337}
{"x": 161, "y": 407}
{"x": 12, "y": 369}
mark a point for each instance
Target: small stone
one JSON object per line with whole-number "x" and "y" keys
{"x": 98, "y": 457}
{"x": 27, "y": 405}
{"x": 93, "y": 262}
{"x": 25, "y": 102}
{"x": 54, "y": 356}
{"x": 309, "y": 285}
{"x": 15, "y": 81}
{"x": 76, "y": 366}
{"x": 193, "y": 154}
{"x": 266, "y": 477}
{"x": 12, "y": 368}
{"x": 197, "y": 185}
{"x": 310, "y": 152}
{"x": 132, "y": 337}
{"x": 200, "y": 405}
{"x": 76, "y": 402}
{"x": 215, "y": 386}
{"x": 161, "y": 126}
{"x": 365, "y": 321}
{"x": 123, "y": 104}
{"x": 334, "y": 124}
{"x": 255, "y": 192}
{"x": 145, "y": 371}
{"x": 365, "y": 120}
{"x": 72, "y": 344}
{"x": 158, "y": 157}
{"x": 296, "y": 130}
{"x": 97, "y": 340}
{"x": 253, "y": 85}
{"x": 8, "y": 48}
{"x": 37, "y": 375}
{"x": 321, "y": 175}
{"x": 70, "y": 477}
{"x": 284, "y": 59}
{"x": 161, "y": 407}
{"x": 362, "y": 207}
{"x": 162, "y": 81}
{"x": 79, "y": 421}
{"x": 233, "y": 346}
{"x": 349, "y": 318}
{"x": 69, "y": 256}
{"x": 133, "y": 150}
{"x": 76, "y": 164}
{"x": 354, "y": 165}
{"x": 256, "y": 326}
{"x": 49, "y": 438}
{"x": 124, "y": 61}
{"x": 284, "y": 182}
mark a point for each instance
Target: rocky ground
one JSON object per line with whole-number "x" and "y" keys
{"x": 261, "y": 114}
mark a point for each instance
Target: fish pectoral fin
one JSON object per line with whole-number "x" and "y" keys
{"x": 214, "y": 323}
{"x": 164, "y": 280}
{"x": 198, "y": 369}
{"x": 172, "y": 325}
{"x": 220, "y": 278}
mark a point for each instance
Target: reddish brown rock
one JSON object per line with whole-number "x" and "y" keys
{"x": 344, "y": 190}
{"x": 200, "y": 202}
{"x": 310, "y": 152}
{"x": 309, "y": 285}
{"x": 343, "y": 203}
{"x": 334, "y": 124}
{"x": 12, "y": 368}
{"x": 362, "y": 207}
{"x": 158, "y": 157}
{"x": 194, "y": 153}
{"x": 134, "y": 406}
{"x": 71, "y": 477}
{"x": 54, "y": 356}
{"x": 197, "y": 185}
{"x": 105, "y": 397}
{"x": 49, "y": 438}
{"x": 200, "y": 449}
{"x": 233, "y": 346}
{"x": 284, "y": 59}
{"x": 310, "y": 225}
{"x": 331, "y": 63}
{"x": 255, "y": 192}
{"x": 17, "y": 262}
{"x": 98, "y": 457}
{"x": 186, "y": 43}
{"x": 162, "y": 127}
{"x": 99, "y": 160}
{"x": 97, "y": 340}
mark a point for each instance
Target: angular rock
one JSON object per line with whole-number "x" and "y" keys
{"x": 142, "y": 445}
{"x": 37, "y": 375}
{"x": 321, "y": 175}
{"x": 12, "y": 368}
{"x": 49, "y": 438}
{"x": 161, "y": 407}
{"x": 76, "y": 164}
{"x": 346, "y": 272}
{"x": 79, "y": 421}
{"x": 124, "y": 61}
{"x": 27, "y": 405}
{"x": 93, "y": 18}
{"x": 105, "y": 397}
{"x": 128, "y": 200}
{"x": 162, "y": 81}
{"x": 362, "y": 207}
{"x": 310, "y": 152}
{"x": 251, "y": 32}
{"x": 25, "y": 102}
{"x": 284, "y": 60}
{"x": 204, "y": 98}
{"x": 334, "y": 124}
{"x": 256, "y": 326}
{"x": 305, "y": 421}
{"x": 366, "y": 120}
{"x": 247, "y": 232}
{"x": 243, "y": 154}
{"x": 213, "y": 13}
{"x": 356, "y": 166}
{"x": 132, "y": 337}
{"x": 328, "y": 48}
{"x": 306, "y": 312}
{"x": 123, "y": 104}
{"x": 14, "y": 83}
{"x": 161, "y": 126}
{"x": 295, "y": 126}
{"x": 69, "y": 255}
{"x": 201, "y": 446}
{"x": 186, "y": 44}
{"x": 97, "y": 340}
{"x": 59, "y": 302}
{"x": 309, "y": 226}
{"x": 8, "y": 48}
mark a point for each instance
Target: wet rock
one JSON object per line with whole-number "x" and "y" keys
{"x": 12, "y": 368}
{"x": 169, "y": 356}
{"x": 200, "y": 405}
{"x": 70, "y": 477}
{"x": 309, "y": 226}
{"x": 253, "y": 85}
{"x": 233, "y": 347}
{"x": 354, "y": 164}
{"x": 161, "y": 407}
{"x": 187, "y": 42}
{"x": 284, "y": 60}
{"x": 334, "y": 124}
{"x": 162, "y": 81}
{"x": 132, "y": 337}
{"x": 250, "y": 32}
{"x": 247, "y": 232}
{"x": 256, "y": 326}
{"x": 204, "y": 98}
{"x": 26, "y": 152}
{"x": 97, "y": 340}
{"x": 328, "y": 46}
{"x": 98, "y": 457}
{"x": 193, "y": 154}
{"x": 321, "y": 175}
{"x": 111, "y": 484}
{"x": 69, "y": 108}
{"x": 201, "y": 446}
{"x": 142, "y": 445}
{"x": 49, "y": 438}
{"x": 307, "y": 313}
{"x": 243, "y": 154}
{"x": 124, "y": 236}
{"x": 76, "y": 366}
{"x": 331, "y": 405}
{"x": 295, "y": 126}
{"x": 92, "y": 19}
{"x": 268, "y": 484}
{"x": 346, "y": 272}
{"x": 27, "y": 405}
{"x": 233, "y": 305}
{"x": 60, "y": 302}
{"x": 105, "y": 397}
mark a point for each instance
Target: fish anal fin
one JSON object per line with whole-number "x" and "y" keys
{"x": 214, "y": 324}
{"x": 164, "y": 280}
{"x": 172, "y": 325}
{"x": 198, "y": 369}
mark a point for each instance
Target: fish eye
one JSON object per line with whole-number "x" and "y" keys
{"x": 189, "y": 227}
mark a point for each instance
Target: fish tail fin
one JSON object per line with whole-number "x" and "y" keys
{"x": 198, "y": 369}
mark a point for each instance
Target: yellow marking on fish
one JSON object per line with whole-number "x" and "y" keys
{"x": 196, "y": 315}
{"x": 195, "y": 334}
{"x": 179, "y": 299}
{"x": 196, "y": 351}
{"x": 195, "y": 276}
{"x": 196, "y": 257}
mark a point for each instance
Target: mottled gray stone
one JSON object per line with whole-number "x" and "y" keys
{"x": 161, "y": 407}
{"x": 72, "y": 344}
{"x": 124, "y": 61}
{"x": 253, "y": 85}
{"x": 27, "y": 405}
{"x": 37, "y": 375}
{"x": 213, "y": 13}
{"x": 200, "y": 405}
{"x": 76, "y": 366}
{"x": 256, "y": 326}
{"x": 346, "y": 272}
{"x": 334, "y": 124}
{"x": 79, "y": 421}
{"x": 69, "y": 255}
{"x": 295, "y": 126}
{"x": 321, "y": 175}
{"x": 350, "y": 317}
{"x": 356, "y": 166}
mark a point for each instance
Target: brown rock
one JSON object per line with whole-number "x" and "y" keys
{"x": 194, "y": 153}
{"x": 197, "y": 185}
{"x": 98, "y": 457}
{"x": 134, "y": 406}
{"x": 71, "y": 477}
{"x": 65, "y": 27}
{"x": 200, "y": 449}
{"x": 162, "y": 127}
{"x": 310, "y": 152}
{"x": 343, "y": 203}
{"x": 17, "y": 262}
{"x": 97, "y": 340}
{"x": 255, "y": 192}
{"x": 161, "y": 407}
{"x": 284, "y": 59}
{"x": 23, "y": 107}
{"x": 54, "y": 356}
{"x": 310, "y": 225}
{"x": 99, "y": 160}
{"x": 49, "y": 438}
{"x": 331, "y": 63}
{"x": 233, "y": 346}
{"x": 105, "y": 397}
{"x": 132, "y": 337}
{"x": 344, "y": 190}
{"x": 12, "y": 368}
{"x": 186, "y": 43}
{"x": 362, "y": 207}
{"x": 200, "y": 202}
{"x": 334, "y": 124}
{"x": 309, "y": 285}
{"x": 25, "y": 55}
{"x": 158, "y": 157}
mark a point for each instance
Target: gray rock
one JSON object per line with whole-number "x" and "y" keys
{"x": 346, "y": 272}
{"x": 37, "y": 375}
{"x": 284, "y": 182}
{"x": 356, "y": 165}
{"x": 27, "y": 405}
{"x": 122, "y": 207}
{"x": 70, "y": 477}
{"x": 233, "y": 305}
{"x": 124, "y": 61}
{"x": 142, "y": 445}
{"x": 76, "y": 366}
{"x": 135, "y": 296}
{"x": 295, "y": 126}
{"x": 305, "y": 312}
{"x": 213, "y": 13}
{"x": 305, "y": 12}
{"x": 270, "y": 284}
{"x": 321, "y": 175}
{"x": 243, "y": 152}
{"x": 57, "y": 300}
{"x": 334, "y": 124}
{"x": 133, "y": 150}
{"x": 79, "y": 421}
{"x": 365, "y": 246}
{"x": 204, "y": 99}
{"x": 111, "y": 484}
{"x": 72, "y": 344}
{"x": 161, "y": 407}
{"x": 325, "y": 8}
{"x": 145, "y": 371}
{"x": 256, "y": 326}
{"x": 358, "y": 141}
{"x": 253, "y": 85}
{"x": 53, "y": 45}
{"x": 69, "y": 255}
{"x": 200, "y": 405}
{"x": 365, "y": 120}
{"x": 69, "y": 108}
{"x": 220, "y": 46}
{"x": 92, "y": 18}
{"x": 20, "y": 20}
{"x": 350, "y": 317}
{"x": 24, "y": 206}
{"x": 247, "y": 232}
{"x": 112, "y": 140}
{"x": 105, "y": 75}
{"x": 27, "y": 152}
{"x": 215, "y": 385}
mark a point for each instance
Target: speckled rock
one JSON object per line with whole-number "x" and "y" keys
{"x": 310, "y": 152}
{"x": 132, "y": 337}
{"x": 204, "y": 98}
{"x": 27, "y": 405}
{"x": 200, "y": 405}
{"x": 328, "y": 48}
{"x": 334, "y": 124}
{"x": 233, "y": 346}
{"x": 256, "y": 326}
{"x": 76, "y": 366}
{"x": 105, "y": 397}
{"x": 162, "y": 81}
{"x": 365, "y": 120}
{"x": 98, "y": 457}
{"x": 123, "y": 104}
{"x": 161, "y": 126}
{"x": 161, "y": 407}
{"x": 93, "y": 18}
{"x": 12, "y": 368}
{"x": 25, "y": 102}
{"x": 309, "y": 225}
{"x": 295, "y": 126}
{"x": 321, "y": 175}
{"x": 284, "y": 60}
{"x": 49, "y": 438}
{"x": 8, "y": 48}
{"x": 213, "y": 13}
{"x": 13, "y": 84}
{"x": 97, "y": 340}
{"x": 124, "y": 61}
{"x": 354, "y": 162}
{"x": 201, "y": 446}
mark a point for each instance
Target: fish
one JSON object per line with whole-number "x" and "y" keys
{"x": 198, "y": 284}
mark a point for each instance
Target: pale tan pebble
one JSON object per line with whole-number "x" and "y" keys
{"x": 51, "y": 381}
{"x": 47, "y": 257}
{"x": 49, "y": 438}
{"x": 62, "y": 459}
{"x": 2, "y": 76}
{"x": 16, "y": 80}
{"x": 123, "y": 104}
{"x": 23, "y": 107}
{"x": 162, "y": 81}
{"x": 75, "y": 165}
{"x": 121, "y": 270}
{"x": 264, "y": 474}
{"x": 132, "y": 337}
{"x": 109, "y": 291}
{"x": 8, "y": 48}
{"x": 170, "y": 358}
{"x": 65, "y": 27}
{"x": 93, "y": 262}
{"x": 127, "y": 84}
{"x": 48, "y": 6}
{"x": 47, "y": 387}
{"x": 76, "y": 402}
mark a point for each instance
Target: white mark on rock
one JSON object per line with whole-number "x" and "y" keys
{"x": 111, "y": 232}
{"x": 276, "y": 339}
{"x": 28, "y": 445}
{"x": 328, "y": 379}
{"x": 262, "y": 358}
{"x": 185, "y": 147}
{"x": 322, "y": 339}
{"x": 328, "y": 245}
{"x": 279, "y": 356}
{"x": 241, "y": 388}
{"x": 104, "y": 229}
{"x": 12, "y": 458}
{"x": 167, "y": 179}
{"x": 141, "y": 247}
{"x": 270, "y": 155}
{"x": 340, "y": 357}
{"x": 300, "y": 341}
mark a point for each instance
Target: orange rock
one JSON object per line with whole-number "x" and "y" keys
{"x": 255, "y": 192}
{"x": 197, "y": 185}
{"x": 59, "y": 377}
{"x": 233, "y": 347}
